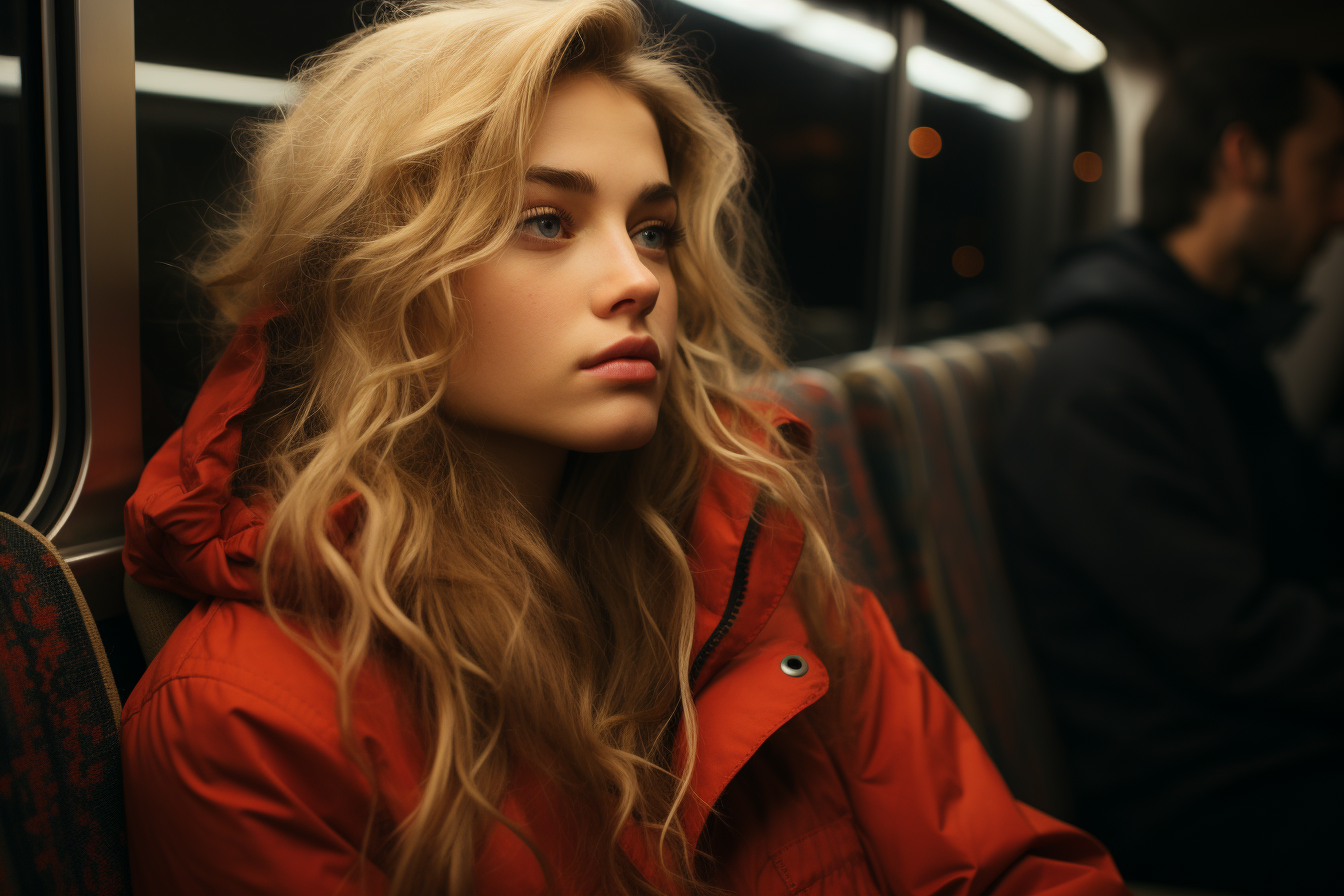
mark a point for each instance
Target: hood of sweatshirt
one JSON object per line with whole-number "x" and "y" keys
{"x": 1129, "y": 276}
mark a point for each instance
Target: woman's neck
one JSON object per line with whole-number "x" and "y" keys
{"x": 532, "y": 468}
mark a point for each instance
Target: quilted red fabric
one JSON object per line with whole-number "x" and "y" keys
{"x": 238, "y": 780}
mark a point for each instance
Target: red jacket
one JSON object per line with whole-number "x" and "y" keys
{"x": 236, "y": 779}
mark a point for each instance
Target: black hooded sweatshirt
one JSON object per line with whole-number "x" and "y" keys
{"x": 1176, "y": 555}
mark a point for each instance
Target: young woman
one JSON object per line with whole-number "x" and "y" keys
{"x": 505, "y": 586}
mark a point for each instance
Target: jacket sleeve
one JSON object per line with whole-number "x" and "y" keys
{"x": 1108, "y": 492}
{"x": 233, "y": 790}
{"x": 937, "y": 815}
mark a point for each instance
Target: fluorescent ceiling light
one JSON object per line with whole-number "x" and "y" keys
{"x": 193, "y": 83}
{"x": 9, "y": 76}
{"x": 215, "y": 87}
{"x": 1042, "y": 29}
{"x": 819, "y": 30}
{"x": 955, "y": 80}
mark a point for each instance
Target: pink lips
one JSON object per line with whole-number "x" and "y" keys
{"x": 634, "y": 358}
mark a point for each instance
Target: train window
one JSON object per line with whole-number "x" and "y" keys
{"x": 201, "y": 69}
{"x": 816, "y": 124}
{"x": 988, "y": 198}
{"x": 25, "y": 307}
{"x": 980, "y": 111}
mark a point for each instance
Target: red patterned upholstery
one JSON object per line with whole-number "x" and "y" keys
{"x": 868, "y": 555}
{"x": 927, "y": 417}
{"x": 61, "y": 806}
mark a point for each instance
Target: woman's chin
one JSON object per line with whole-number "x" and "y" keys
{"x": 605, "y": 432}
{"x": 625, "y": 440}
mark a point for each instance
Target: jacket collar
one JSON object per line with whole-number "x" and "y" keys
{"x": 742, "y": 559}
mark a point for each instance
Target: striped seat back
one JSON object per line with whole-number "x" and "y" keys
{"x": 993, "y": 366}
{"x": 927, "y": 419}
{"x": 61, "y": 807}
{"x": 867, "y": 555}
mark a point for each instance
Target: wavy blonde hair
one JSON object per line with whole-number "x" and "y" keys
{"x": 563, "y": 647}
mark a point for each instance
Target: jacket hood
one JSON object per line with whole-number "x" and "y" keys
{"x": 186, "y": 532}
{"x": 1129, "y": 276}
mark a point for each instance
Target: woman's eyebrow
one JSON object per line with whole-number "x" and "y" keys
{"x": 564, "y": 178}
{"x": 656, "y": 192}
{"x": 581, "y": 182}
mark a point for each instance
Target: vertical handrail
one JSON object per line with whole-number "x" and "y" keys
{"x": 898, "y": 181}
{"x": 104, "y": 116}
{"x": 55, "y": 265}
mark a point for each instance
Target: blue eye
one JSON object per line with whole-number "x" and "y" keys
{"x": 656, "y": 236}
{"x": 651, "y": 238}
{"x": 547, "y": 227}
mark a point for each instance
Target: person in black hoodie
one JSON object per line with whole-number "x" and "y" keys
{"x": 1176, "y": 551}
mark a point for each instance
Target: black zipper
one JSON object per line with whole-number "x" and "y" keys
{"x": 736, "y": 594}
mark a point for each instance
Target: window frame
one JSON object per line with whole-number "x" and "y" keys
{"x": 95, "y": 458}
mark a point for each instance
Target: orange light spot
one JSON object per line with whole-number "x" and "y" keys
{"x": 968, "y": 261}
{"x": 925, "y": 142}
{"x": 1087, "y": 165}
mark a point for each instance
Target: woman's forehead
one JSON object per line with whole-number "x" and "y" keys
{"x": 594, "y": 126}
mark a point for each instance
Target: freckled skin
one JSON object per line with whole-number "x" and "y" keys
{"x": 551, "y": 300}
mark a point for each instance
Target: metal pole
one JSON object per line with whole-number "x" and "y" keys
{"x": 104, "y": 43}
{"x": 898, "y": 185}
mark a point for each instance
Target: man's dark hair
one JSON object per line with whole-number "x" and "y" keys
{"x": 1204, "y": 96}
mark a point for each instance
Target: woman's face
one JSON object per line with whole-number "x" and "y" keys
{"x": 573, "y": 326}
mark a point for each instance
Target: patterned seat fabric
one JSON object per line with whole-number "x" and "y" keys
{"x": 867, "y": 554}
{"x": 61, "y": 808}
{"x": 927, "y": 417}
{"x": 994, "y": 365}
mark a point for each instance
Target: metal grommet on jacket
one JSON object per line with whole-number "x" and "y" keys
{"x": 793, "y": 665}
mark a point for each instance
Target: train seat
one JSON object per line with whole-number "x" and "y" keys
{"x": 867, "y": 554}
{"x": 992, "y": 367}
{"x": 926, "y": 417}
{"x": 61, "y": 808}
{"x": 154, "y": 614}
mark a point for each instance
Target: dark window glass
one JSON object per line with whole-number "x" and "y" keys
{"x": 25, "y": 309}
{"x": 959, "y": 241}
{"x": 184, "y": 168}
{"x": 966, "y": 241}
{"x": 187, "y": 166}
{"x": 816, "y": 127}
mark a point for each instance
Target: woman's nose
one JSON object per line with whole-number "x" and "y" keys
{"x": 624, "y": 284}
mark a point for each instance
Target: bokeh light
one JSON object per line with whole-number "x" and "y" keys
{"x": 925, "y": 142}
{"x": 968, "y": 261}
{"x": 1087, "y": 165}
